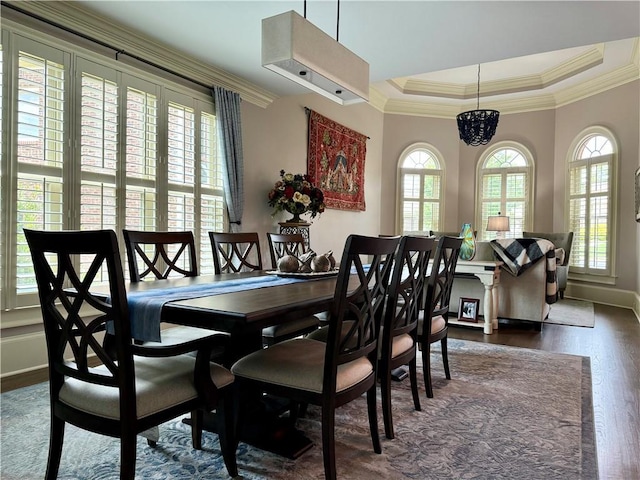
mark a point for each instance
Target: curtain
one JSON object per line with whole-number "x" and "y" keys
{"x": 227, "y": 106}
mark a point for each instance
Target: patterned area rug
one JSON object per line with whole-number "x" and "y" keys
{"x": 577, "y": 313}
{"x": 507, "y": 413}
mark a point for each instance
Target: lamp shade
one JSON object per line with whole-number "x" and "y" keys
{"x": 298, "y": 50}
{"x": 498, "y": 223}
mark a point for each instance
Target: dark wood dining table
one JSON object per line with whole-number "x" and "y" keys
{"x": 243, "y": 314}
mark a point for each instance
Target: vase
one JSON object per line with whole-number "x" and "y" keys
{"x": 468, "y": 247}
{"x": 295, "y": 219}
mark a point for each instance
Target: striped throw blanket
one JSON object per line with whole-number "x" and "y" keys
{"x": 519, "y": 254}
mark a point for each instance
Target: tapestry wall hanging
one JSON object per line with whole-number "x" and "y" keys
{"x": 335, "y": 160}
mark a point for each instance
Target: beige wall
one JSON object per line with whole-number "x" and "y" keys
{"x": 275, "y": 138}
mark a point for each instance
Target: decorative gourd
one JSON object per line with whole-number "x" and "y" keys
{"x": 332, "y": 260}
{"x": 288, "y": 264}
{"x": 320, "y": 263}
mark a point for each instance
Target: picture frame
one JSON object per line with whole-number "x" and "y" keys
{"x": 637, "y": 179}
{"x": 468, "y": 310}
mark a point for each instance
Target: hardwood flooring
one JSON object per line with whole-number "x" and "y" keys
{"x": 614, "y": 348}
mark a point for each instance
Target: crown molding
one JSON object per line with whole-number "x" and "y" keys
{"x": 616, "y": 78}
{"x": 578, "y": 64}
{"x": 77, "y": 18}
{"x": 376, "y": 99}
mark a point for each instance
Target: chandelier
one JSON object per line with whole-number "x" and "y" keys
{"x": 477, "y": 127}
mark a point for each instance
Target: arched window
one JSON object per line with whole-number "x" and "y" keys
{"x": 420, "y": 175}
{"x": 505, "y": 186}
{"x": 590, "y": 198}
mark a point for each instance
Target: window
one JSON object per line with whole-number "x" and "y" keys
{"x": 420, "y": 177}
{"x": 590, "y": 196}
{"x": 505, "y": 186}
{"x": 98, "y": 145}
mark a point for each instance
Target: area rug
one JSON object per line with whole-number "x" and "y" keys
{"x": 567, "y": 311}
{"x": 507, "y": 413}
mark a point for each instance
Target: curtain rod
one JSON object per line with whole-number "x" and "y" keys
{"x": 307, "y": 110}
{"x": 119, "y": 51}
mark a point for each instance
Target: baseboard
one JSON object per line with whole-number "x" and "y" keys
{"x": 603, "y": 295}
{"x": 24, "y": 379}
{"x": 636, "y": 306}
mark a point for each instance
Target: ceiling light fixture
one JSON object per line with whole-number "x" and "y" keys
{"x": 298, "y": 50}
{"x": 477, "y": 127}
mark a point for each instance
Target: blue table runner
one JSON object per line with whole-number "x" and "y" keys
{"x": 145, "y": 308}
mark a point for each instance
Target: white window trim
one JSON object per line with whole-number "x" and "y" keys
{"x": 439, "y": 157}
{"x": 530, "y": 169}
{"x": 8, "y": 176}
{"x": 608, "y": 278}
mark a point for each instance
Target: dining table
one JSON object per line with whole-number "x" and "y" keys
{"x": 240, "y": 304}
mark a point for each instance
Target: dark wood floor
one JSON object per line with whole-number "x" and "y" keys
{"x": 614, "y": 348}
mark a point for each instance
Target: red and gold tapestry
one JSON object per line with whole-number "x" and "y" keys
{"x": 336, "y": 162}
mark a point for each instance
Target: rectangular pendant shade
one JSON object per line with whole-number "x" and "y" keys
{"x": 292, "y": 45}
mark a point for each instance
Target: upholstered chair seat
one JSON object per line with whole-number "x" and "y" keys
{"x": 160, "y": 383}
{"x": 299, "y": 364}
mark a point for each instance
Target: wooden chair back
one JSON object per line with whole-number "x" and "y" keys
{"x": 441, "y": 280}
{"x": 281, "y": 244}
{"x": 236, "y": 252}
{"x": 361, "y": 309}
{"x": 64, "y": 290}
{"x": 161, "y": 254}
{"x": 406, "y": 289}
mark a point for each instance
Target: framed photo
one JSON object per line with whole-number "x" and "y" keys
{"x": 468, "y": 310}
{"x": 638, "y": 194}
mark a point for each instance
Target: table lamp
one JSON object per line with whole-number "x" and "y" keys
{"x": 499, "y": 224}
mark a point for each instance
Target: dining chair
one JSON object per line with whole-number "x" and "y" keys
{"x": 236, "y": 252}
{"x": 432, "y": 322}
{"x": 240, "y": 252}
{"x": 333, "y": 373}
{"x": 281, "y": 244}
{"x": 154, "y": 255}
{"x": 133, "y": 387}
{"x": 400, "y": 323}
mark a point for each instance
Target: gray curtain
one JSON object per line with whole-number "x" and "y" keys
{"x": 230, "y": 148}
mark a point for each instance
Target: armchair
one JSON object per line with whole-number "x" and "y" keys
{"x": 135, "y": 387}
{"x": 560, "y": 240}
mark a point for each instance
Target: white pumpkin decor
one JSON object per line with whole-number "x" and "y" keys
{"x": 288, "y": 264}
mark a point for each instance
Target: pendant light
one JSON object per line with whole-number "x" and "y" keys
{"x": 477, "y": 127}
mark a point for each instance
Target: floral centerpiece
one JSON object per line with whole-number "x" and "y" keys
{"x": 296, "y": 194}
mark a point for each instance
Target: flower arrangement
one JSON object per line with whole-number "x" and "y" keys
{"x": 297, "y": 195}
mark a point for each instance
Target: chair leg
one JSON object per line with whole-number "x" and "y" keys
{"x": 329, "y": 442}
{"x": 56, "y": 440}
{"x": 426, "y": 366}
{"x": 197, "y": 419}
{"x": 128, "y": 457}
{"x": 413, "y": 379}
{"x": 445, "y": 357}
{"x": 226, "y": 426}
{"x": 373, "y": 418}
{"x": 385, "y": 393}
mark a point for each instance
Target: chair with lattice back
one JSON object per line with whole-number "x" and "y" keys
{"x": 239, "y": 252}
{"x": 236, "y": 252}
{"x": 158, "y": 255}
{"x": 400, "y": 324}
{"x": 433, "y": 323}
{"x": 332, "y": 373}
{"x": 134, "y": 387}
